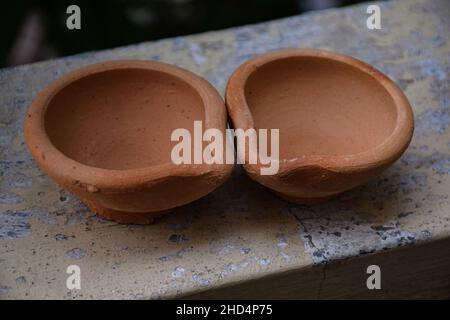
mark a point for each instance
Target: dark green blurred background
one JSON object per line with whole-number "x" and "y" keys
{"x": 36, "y": 30}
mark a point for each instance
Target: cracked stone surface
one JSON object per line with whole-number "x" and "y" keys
{"x": 240, "y": 231}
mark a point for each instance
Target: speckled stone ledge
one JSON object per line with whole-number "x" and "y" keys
{"x": 241, "y": 231}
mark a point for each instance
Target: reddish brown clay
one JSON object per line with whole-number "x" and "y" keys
{"x": 341, "y": 121}
{"x": 104, "y": 133}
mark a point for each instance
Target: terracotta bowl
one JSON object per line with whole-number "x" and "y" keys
{"x": 104, "y": 133}
{"x": 341, "y": 121}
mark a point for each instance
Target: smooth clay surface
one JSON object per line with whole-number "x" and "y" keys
{"x": 121, "y": 119}
{"x": 336, "y": 118}
{"x": 321, "y": 107}
{"x": 104, "y": 133}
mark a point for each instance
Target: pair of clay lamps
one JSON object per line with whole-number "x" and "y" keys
{"x": 104, "y": 132}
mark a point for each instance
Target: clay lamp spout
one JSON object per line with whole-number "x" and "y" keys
{"x": 341, "y": 121}
{"x": 103, "y": 132}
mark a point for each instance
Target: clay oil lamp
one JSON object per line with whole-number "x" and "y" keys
{"x": 103, "y": 132}
{"x": 341, "y": 121}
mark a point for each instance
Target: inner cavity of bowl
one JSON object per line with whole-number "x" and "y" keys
{"x": 122, "y": 119}
{"x": 321, "y": 106}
